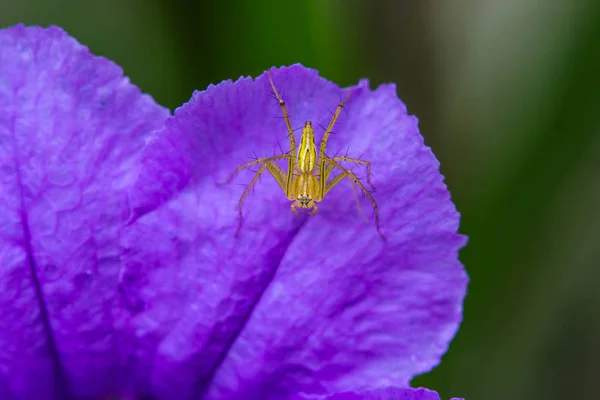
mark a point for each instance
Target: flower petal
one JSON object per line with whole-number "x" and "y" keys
{"x": 71, "y": 127}
{"x": 387, "y": 393}
{"x": 346, "y": 310}
{"x": 207, "y": 281}
{"x": 293, "y": 304}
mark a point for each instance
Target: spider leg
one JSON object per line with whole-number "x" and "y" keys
{"x": 277, "y": 174}
{"x": 286, "y": 117}
{"x": 323, "y": 145}
{"x": 294, "y": 209}
{"x": 357, "y": 161}
{"x": 337, "y": 180}
{"x": 353, "y": 179}
{"x": 334, "y": 118}
{"x": 245, "y": 194}
{"x": 261, "y": 161}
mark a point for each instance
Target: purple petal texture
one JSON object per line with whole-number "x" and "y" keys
{"x": 387, "y": 393}
{"x": 311, "y": 305}
{"x": 176, "y": 307}
{"x": 71, "y": 129}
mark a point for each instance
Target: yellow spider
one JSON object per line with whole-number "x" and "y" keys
{"x": 302, "y": 183}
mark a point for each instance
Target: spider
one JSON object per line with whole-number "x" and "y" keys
{"x": 302, "y": 183}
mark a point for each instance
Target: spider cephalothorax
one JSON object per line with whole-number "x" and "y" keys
{"x": 306, "y": 181}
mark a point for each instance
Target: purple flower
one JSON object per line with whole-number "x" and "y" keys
{"x": 119, "y": 270}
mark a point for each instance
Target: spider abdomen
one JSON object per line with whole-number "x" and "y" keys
{"x": 307, "y": 151}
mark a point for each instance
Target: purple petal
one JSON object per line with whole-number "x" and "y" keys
{"x": 386, "y": 393}
{"x": 295, "y": 304}
{"x": 71, "y": 127}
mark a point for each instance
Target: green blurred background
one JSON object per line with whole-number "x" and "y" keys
{"x": 506, "y": 92}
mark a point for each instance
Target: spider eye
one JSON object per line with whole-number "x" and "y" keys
{"x": 304, "y": 199}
